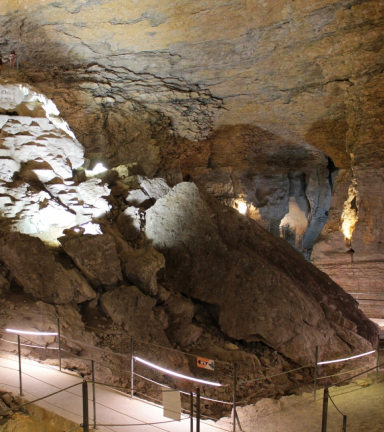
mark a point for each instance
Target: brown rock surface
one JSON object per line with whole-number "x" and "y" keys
{"x": 140, "y": 266}
{"x": 360, "y": 273}
{"x": 95, "y": 256}
{"x": 260, "y": 288}
{"x": 148, "y": 82}
{"x": 34, "y": 267}
{"x": 133, "y": 310}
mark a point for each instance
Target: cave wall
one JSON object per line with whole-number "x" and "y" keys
{"x": 172, "y": 85}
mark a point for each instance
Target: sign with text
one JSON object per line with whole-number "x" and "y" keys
{"x": 205, "y": 363}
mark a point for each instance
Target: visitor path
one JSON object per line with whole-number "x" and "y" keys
{"x": 112, "y": 407}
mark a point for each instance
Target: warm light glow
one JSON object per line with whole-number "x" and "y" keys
{"x": 241, "y": 207}
{"x": 345, "y": 359}
{"x": 30, "y": 332}
{"x": 176, "y": 374}
{"x": 348, "y": 227}
{"x": 99, "y": 168}
{"x": 349, "y": 216}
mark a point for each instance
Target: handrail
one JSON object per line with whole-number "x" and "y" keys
{"x": 39, "y": 399}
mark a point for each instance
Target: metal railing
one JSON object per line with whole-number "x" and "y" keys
{"x": 133, "y": 358}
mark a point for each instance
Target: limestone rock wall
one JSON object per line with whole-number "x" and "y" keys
{"x": 359, "y": 273}
{"x": 150, "y": 81}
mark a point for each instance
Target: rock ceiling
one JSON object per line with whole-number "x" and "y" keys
{"x": 246, "y": 97}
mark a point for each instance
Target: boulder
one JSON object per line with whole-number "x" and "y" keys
{"x": 34, "y": 267}
{"x": 144, "y": 192}
{"x": 254, "y": 282}
{"x": 130, "y": 308}
{"x": 140, "y": 266}
{"x": 180, "y": 309}
{"x": 95, "y": 256}
{"x": 129, "y": 223}
{"x": 187, "y": 335}
{"x": 83, "y": 291}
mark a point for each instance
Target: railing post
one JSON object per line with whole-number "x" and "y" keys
{"x": 85, "y": 407}
{"x": 315, "y": 374}
{"x": 345, "y": 423}
{"x": 132, "y": 371}
{"x": 377, "y": 357}
{"x": 191, "y": 404}
{"x": 198, "y": 409}
{"x": 94, "y": 394}
{"x": 234, "y": 395}
{"x": 59, "y": 341}
{"x": 19, "y": 356}
{"x": 325, "y": 410}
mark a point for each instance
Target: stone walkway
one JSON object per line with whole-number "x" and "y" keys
{"x": 111, "y": 407}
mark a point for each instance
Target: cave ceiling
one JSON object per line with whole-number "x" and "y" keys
{"x": 306, "y": 71}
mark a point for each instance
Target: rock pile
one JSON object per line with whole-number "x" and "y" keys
{"x": 168, "y": 266}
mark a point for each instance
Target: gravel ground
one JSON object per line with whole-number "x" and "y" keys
{"x": 362, "y": 402}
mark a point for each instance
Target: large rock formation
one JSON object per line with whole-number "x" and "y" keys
{"x": 148, "y": 82}
{"x": 258, "y": 286}
{"x": 33, "y": 266}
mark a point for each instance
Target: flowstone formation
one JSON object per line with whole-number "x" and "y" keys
{"x": 171, "y": 266}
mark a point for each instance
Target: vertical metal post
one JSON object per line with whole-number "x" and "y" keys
{"x": 132, "y": 371}
{"x": 325, "y": 410}
{"x": 59, "y": 341}
{"x": 19, "y": 355}
{"x": 234, "y": 395}
{"x": 315, "y": 374}
{"x": 191, "y": 403}
{"x": 85, "y": 407}
{"x": 94, "y": 394}
{"x": 345, "y": 423}
{"x": 198, "y": 409}
{"x": 377, "y": 357}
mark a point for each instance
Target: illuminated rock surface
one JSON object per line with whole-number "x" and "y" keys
{"x": 175, "y": 85}
{"x": 246, "y": 98}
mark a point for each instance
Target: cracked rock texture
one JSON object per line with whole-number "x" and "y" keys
{"x": 257, "y": 286}
{"x": 173, "y": 85}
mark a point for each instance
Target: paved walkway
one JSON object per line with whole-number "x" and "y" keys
{"x": 111, "y": 407}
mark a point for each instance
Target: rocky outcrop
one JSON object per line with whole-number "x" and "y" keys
{"x": 258, "y": 286}
{"x": 95, "y": 256}
{"x": 34, "y": 267}
{"x": 38, "y": 156}
{"x": 130, "y": 308}
{"x": 141, "y": 267}
{"x": 174, "y": 88}
{"x": 355, "y": 258}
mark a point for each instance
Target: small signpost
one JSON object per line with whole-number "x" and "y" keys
{"x": 205, "y": 363}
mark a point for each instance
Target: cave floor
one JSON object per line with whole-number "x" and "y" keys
{"x": 112, "y": 407}
{"x": 362, "y": 401}
{"x": 363, "y": 407}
